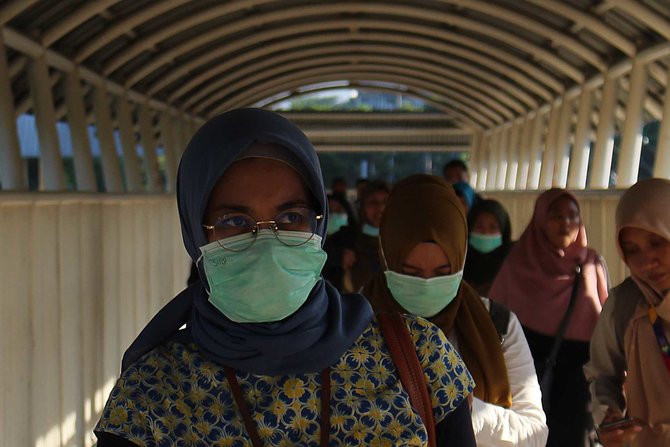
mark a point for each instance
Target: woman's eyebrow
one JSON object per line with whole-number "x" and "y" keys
{"x": 410, "y": 266}
{"x": 293, "y": 204}
{"x": 230, "y": 207}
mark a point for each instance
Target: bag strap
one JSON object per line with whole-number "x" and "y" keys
{"x": 500, "y": 315}
{"x": 403, "y": 354}
{"x": 249, "y": 423}
{"x": 558, "y": 338}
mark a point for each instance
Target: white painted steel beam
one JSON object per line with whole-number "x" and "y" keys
{"x": 150, "y": 41}
{"x": 250, "y": 90}
{"x": 81, "y": 146}
{"x": 52, "y": 176}
{"x": 590, "y": 22}
{"x": 405, "y": 12}
{"x": 581, "y": 148}
{"x": 12, "y": 8}
{"x": 535, "y": 166}
{"x": 549, "y": 154}
{"x": 131, "y": 162}
{"x": 513, "y": 154}
{"x": 228, "y": 76}
{"x": 475, "y": 147}
{"x": 108, "y": 154}
{"x": 494, "y": 146}
{"x": 503, "y": 156}
{"x": 525, "y": 151}
{"x": 512, "y": 67}
{"x": 483, "y": 164}
{"x": 645, "y": 15}
{"x": 200, "y": 85}
{"x": 604, "y": 143}
{"x": 529, "y": 25}
{"x": 560, "y": 178}
{"x": 74, "y": 19}
{"x": 151, "y": 168}
{"x": 662, "y": 162}
{"x": 169, "y": 147}
{"x": 35, "y": 50}
{"x": 464, "y": 111}
{"x": 631, "y": 137}
{"x": 12, "y": 173}
{"x": 125, "y": 26}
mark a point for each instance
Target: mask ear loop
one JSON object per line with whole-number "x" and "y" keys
{"x": 381, "y": 252}
{"x": 202, "y": 275}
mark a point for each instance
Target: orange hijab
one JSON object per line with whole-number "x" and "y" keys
{"x": 425, "y": 208}
{"x": 645, "y": 206}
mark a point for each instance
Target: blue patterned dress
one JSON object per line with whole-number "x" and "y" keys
{"x": 174, "y": 396}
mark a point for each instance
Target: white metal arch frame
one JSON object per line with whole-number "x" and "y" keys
{"x": 465, "y": 104}
{"x": 237, "y": 80}
{"x": 462, "y": 111}
{"x": 205, "y": 83}
{"x": 382, "y": 64}
{"x": 527, "y": 75}
{"x": 401, "y": 13}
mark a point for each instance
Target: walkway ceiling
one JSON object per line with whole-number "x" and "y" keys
{"x": 481, "y": 63}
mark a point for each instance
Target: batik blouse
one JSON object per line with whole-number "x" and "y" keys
{"x": 176, "y": 396}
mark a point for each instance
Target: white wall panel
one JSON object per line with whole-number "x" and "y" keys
{"x": 80, "y": 274}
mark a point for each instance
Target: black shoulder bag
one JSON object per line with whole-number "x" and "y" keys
{"x": 547, "y": 375}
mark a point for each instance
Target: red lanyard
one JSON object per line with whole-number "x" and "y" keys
{"x": 246, "y": 414}
{"x": 662, "y": 340}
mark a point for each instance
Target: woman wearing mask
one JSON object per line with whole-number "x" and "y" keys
{"x": 550, "y": 267}
{"x": 489, "y": 243}
{"x": 352, "y": 251}
{"x": 630, "y": 348}
{"x": 424, "y": 238}
{"x": 272, "y": 354}
{"x": 337, "y": 217}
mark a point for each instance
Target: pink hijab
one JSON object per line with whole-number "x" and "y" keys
{"x": 645, "y": 206}
{"x": 536, "y": 279}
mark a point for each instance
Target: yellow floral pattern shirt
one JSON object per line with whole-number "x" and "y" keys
{"x": 175, "y": 396}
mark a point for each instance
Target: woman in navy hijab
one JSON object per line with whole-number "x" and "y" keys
{"x": 271, "y": 354}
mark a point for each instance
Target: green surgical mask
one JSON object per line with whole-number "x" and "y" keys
{"x": 369, "y": 230}
{"x": 423, "y": 297}
{"x": 267, "y": 281}
{"x": 337, "y": 221}
{"x": 485, "y": 243}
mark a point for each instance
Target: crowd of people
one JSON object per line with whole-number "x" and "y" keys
{"x": 289, "y": 330}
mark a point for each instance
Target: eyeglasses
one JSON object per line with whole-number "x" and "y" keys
{"x": 292, "y": 227}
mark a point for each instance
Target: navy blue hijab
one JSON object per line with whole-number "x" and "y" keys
{"x": 309, "y": 340}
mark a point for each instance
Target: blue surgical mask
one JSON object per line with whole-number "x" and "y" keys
{"x": 266, "y": 282}
{"x": 369, "y": 230}
{"x": 423, "y": 297}
{"x": 485, "y": 243}
{"x": 337, "y": 221}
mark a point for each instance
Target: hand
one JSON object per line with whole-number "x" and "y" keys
{"x": 617, "y": 437}
{"x": 348, "y": 259}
